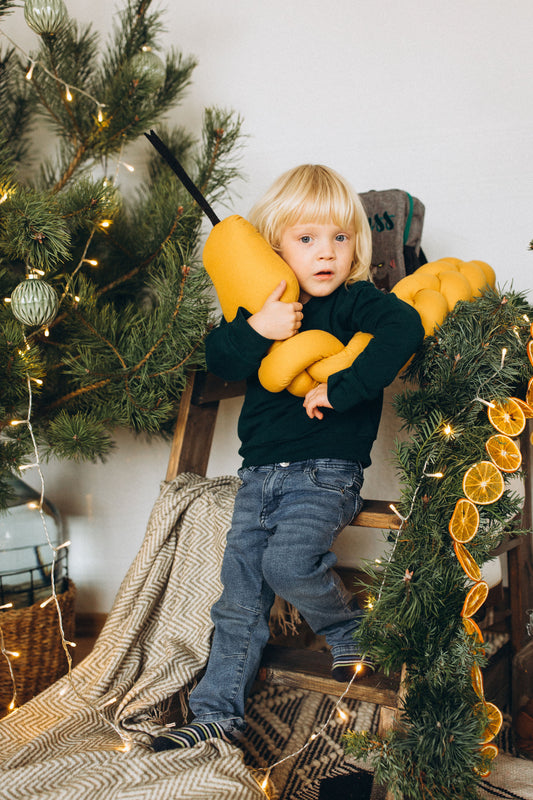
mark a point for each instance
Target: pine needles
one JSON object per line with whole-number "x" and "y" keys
{"x": 478, "y": 355}
{"x": 135, "y": 302}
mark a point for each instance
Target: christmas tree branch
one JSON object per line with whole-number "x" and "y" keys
{"x": 98, "y": 335}
{"x": 73, "y": 165}
{"x": 169, "y": 323}
{"x": 128, "y": 275}
{"x": 128, "y": 373}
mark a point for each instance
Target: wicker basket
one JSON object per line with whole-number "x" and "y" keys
{"x": 34, "y": 633}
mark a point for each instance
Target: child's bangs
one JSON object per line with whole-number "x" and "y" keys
{"x": 331, "y": 206}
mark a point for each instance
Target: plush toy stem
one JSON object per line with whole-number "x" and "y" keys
{"x": 176, "y": 167}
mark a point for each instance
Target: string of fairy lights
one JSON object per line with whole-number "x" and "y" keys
{"x": 263, "y": 774}
{"x": 66, "y": 644}
{"x": 8, "y": 654}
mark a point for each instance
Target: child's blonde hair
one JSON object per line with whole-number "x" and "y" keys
{"x": 314, "y": 193}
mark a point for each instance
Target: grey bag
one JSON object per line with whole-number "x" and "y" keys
{"x": 396, "y": 220}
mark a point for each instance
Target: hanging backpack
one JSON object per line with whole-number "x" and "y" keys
{"x": 396, "y": 220}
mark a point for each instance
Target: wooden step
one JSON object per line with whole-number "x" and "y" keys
{"x": 376, "y": 514}
{"x": 311, "y": 670}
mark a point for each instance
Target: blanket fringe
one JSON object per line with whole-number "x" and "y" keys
{"x": 284, "y": 618}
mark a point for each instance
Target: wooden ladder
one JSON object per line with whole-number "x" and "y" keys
{"x": 292, "y": 662}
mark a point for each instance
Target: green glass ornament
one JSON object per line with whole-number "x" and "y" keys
{"x": 34, "y": 302}
{"x": 148, "y": 68}
{"x": 45, "y": 16}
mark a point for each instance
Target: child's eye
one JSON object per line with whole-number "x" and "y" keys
{"x": 305, "y": 239}
{"x": 341, "y": 237}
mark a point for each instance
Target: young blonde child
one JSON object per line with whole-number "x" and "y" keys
{"x": 303, "y": 460}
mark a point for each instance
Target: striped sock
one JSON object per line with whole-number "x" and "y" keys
{"x": 189, "y": 735}
{"x": 345, "y": 667}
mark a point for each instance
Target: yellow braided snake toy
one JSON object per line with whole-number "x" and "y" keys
{"x": 245, "y": 270}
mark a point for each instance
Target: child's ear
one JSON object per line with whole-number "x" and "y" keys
{"x": 244, "y": 269}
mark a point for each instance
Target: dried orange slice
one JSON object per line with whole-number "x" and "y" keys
{"x": 464, "y": 521}
{"x": 530, "y": 351}
{"x": 467, "y": 561}
{"x": 488, "y": 753}
{"x": 475, "y": 599}
{"x": 483, "y": 483}
{"x": 494, "y": 723}
{"x": 529, "y": 393}
{"x": 526, "y": 408}
{"x": 477, "y": 681}
{"x": 507, "y": 417}
{"x": 473, "y": 629}
{"x": 504, "y": 452}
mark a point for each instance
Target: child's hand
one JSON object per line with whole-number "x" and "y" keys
{"x": 277, "y": 320}
{"x": 315, "y": 398}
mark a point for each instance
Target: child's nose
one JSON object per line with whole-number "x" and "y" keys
{"x": 326, "y": 249}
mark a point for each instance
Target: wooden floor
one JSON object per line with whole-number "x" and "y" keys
{"x": 88, "y": 627}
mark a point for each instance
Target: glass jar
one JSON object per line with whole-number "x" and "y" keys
{"x": 26, "y": 557}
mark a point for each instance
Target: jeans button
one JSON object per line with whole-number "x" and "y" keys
{"x": 284, "y": 463}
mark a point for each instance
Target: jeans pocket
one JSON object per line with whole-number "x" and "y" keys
{"x": 343, "y": 480}
{"x": 339, "y": 479}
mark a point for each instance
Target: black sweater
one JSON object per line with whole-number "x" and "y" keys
{"x": 274, "y": 427}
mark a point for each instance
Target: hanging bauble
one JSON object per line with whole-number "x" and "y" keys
{"x": 45, "y": 16}
{"x": 148, "y": 68}
{"x": 34, "y": 302}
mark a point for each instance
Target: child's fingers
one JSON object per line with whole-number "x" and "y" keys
{"x": 277, "y": 293}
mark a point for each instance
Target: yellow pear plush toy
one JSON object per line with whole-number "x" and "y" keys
{"x": 245, "y": 271}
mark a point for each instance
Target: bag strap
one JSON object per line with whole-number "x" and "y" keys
{"x": 407, "y": 229}
{"x": 175, "y": 165}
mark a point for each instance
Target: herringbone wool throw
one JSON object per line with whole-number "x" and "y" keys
{"x": 156, "y": 639}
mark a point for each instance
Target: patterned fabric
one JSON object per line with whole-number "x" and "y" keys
{"x": 156, "y": 639}
{"x": 281, "y": 721}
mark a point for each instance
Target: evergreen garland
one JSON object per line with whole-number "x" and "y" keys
{"x": 129, "y": 329}
{"x": 415, "y": 620}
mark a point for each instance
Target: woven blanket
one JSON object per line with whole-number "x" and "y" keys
{"x": 72, "y": 740}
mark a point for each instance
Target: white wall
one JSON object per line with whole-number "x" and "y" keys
{"x": 423, "y": 95}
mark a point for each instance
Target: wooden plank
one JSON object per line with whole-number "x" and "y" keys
{"x": 311, "y": 670}
{"x": 376, "y": 514}
{"x": 193, "y": 435}
{"x": 211, "y": 389}
{"x": 179, "y": 431}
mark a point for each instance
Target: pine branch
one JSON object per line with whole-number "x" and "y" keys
{"x": 132, "y": 317}
{"x": 415, "y": 618}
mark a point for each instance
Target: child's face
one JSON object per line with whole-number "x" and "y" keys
{"x": 320, "y": 255}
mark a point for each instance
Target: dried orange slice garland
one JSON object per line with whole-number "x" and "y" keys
{"x": 483, "y": 484}
{"x": 465, "y": 521}
{"x": 504, "y": 452}
{"x": 507, "y": 417}
{"x": 467, "y": 561}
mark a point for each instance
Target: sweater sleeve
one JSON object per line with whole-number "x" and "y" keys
{"x": 234, "y": 350}
{"x": 397, "y": 332}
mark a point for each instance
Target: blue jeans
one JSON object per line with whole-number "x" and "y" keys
{"x": 285, "y": 520}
